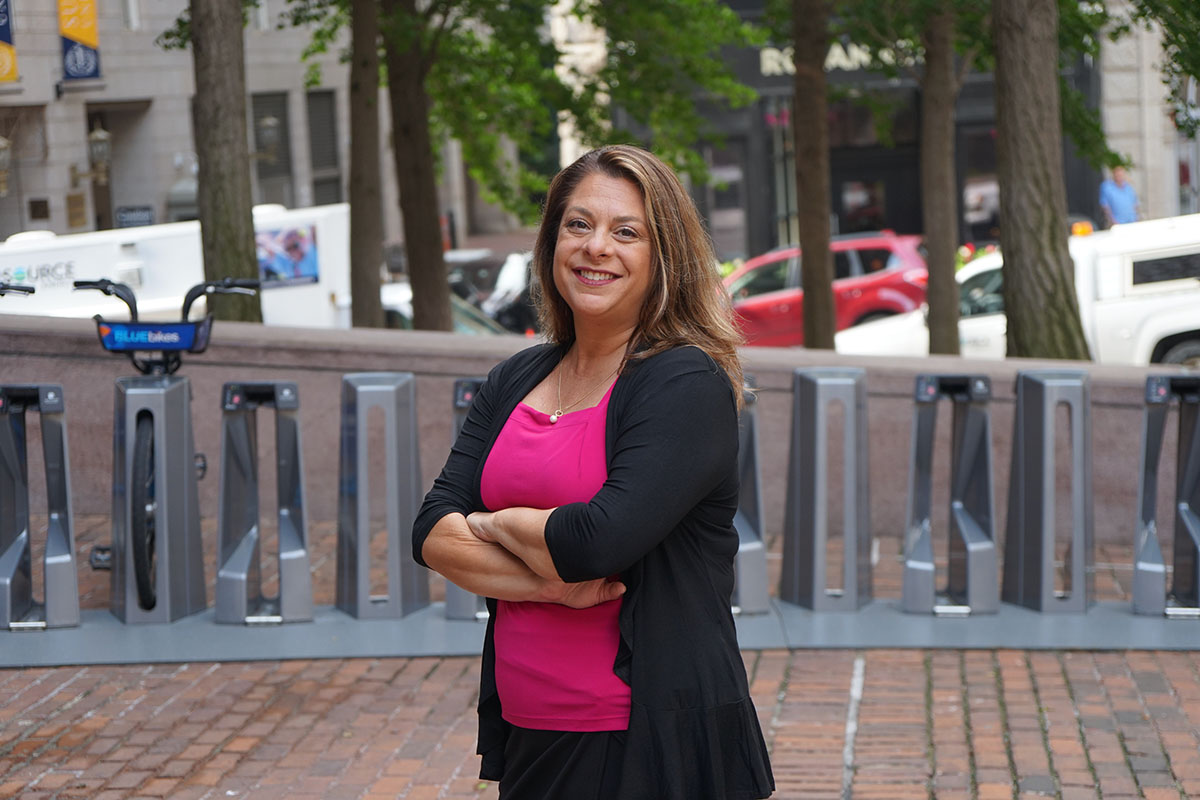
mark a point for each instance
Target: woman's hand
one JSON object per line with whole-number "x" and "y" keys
{"x": 584, "y": 594}
{"x": 520, "y": 531}
{"x": 482, "y": 524}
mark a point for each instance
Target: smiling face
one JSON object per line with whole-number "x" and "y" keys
{"x": 603, "y": 255}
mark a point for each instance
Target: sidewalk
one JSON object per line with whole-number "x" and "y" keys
{"x": 882, "y": 724}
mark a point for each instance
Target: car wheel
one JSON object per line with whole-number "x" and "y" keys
{"x": 1186, "y": 353}
{"x": 874, "y": 315}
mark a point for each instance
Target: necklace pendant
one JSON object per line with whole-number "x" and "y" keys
{"x": 554, "y": 417}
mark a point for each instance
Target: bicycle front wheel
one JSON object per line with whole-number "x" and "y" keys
{"x": 142, "y": 512}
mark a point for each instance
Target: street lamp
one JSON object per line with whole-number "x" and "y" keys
{"x": 5, "y": 163}
{"x": 267, "y": 138}
{"x": 99, "y": 155}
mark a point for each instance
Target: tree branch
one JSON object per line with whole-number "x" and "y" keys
{"x": 964, "y": 69}
{"x": 443, "y": 27}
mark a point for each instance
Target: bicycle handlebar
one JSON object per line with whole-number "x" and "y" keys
{"x": 12, "y": 288}
{"x": 113, "y": 289}
{"x": 222, "y": 286}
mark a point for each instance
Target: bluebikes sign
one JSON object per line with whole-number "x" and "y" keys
{"x": 126, "y": 336}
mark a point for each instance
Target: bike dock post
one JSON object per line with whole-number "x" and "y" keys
{"x": 1033, "y": 513}
{"x": 1150, "y": 596}
{"x": 18, "y": 608}
{"x": 177, "y": 577}
{"x": 239, "y": 596}
{"x": 972, "y": 584}
{"x": 750, "y": 595}
{"x": 806, "y": 527}
{"x": 394, "y": 395}
{"x": 461, "y": 604}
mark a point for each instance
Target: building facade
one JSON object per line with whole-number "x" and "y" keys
{"x": 1140, "y": 124}
{"x": 875, "y": 177}
{"x": 141, "y": 95}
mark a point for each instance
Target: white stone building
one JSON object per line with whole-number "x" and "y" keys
{"x": 1139, "y": 123}
{"x": 143, "y": 100}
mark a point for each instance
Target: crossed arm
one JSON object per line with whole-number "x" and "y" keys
{"x": 503, "y": 555}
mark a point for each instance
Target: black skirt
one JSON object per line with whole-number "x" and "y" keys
{"x": 561, "y": 765}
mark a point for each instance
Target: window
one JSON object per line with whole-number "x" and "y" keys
{"x": 323, "y": 147}
{"x": 982, "y": 294}
{"x": 1170, "y": 268}
{"x": 274, "y": 173}
{"x": 767, "y": 278}
{"x": 843, "y": 265}
{"x": 877, "y": 259}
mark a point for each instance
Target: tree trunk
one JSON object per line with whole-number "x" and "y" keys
{"x": 939, "y": 206}
{"x": 223, "y": 157}
{"x": 1039, "y": 277}
{"x": 366, "y": 213}
{"x": 810, "y": 40}
{"x": 413, "y": 150}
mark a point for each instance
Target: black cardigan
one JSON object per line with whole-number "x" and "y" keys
{"x": 664, "y": 521}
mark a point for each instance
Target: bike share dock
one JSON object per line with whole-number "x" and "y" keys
{"x": 826, "y": 596}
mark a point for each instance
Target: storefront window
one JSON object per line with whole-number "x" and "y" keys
{"x": 981, "y": 188}
{"x": 887, "y": 118}
{"x": 777, "y": 114}
{"x": 863, "y": 206}
{"x": 726, "y": 199}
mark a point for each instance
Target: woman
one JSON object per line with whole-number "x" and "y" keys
{"x": 591, "y": 493}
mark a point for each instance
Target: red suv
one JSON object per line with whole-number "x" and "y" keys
{"x": 875, "y": 274}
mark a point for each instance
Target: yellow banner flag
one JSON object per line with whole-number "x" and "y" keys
{"x": 8, "y": 63}
{"x": 77, "y": 22}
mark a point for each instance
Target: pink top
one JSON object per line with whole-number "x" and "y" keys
{"x": 554, "y": 664}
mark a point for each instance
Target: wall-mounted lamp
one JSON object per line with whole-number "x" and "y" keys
{"x": 267, "y": 137}
{"x": 5, "y": 163}
{"x": 99, "y": 154}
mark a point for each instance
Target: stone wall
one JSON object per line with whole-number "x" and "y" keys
{"x": 34, "y": 349}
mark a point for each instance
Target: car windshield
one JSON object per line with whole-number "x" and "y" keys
{"x": 767, "y": 278}
{"x": 982, "y": 294}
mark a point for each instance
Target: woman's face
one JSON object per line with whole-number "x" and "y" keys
{"x": 602, "y": 258}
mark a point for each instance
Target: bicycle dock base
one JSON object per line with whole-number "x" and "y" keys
{"x": 971, "y": 583}
{"x": 19, "y": 610}
{"x": 177, "y": 574}
{"x": 239, "y": 596}
{"x": 1150, "y": 595}
{"x": 393, "y": 394}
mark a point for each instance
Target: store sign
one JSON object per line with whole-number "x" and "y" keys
{"x": 133, "y": 216}
{"x": 80, "y": 39}
{"x": 773, "y": 61}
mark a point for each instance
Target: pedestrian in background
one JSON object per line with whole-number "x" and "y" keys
{"x": 590, "y": 496}
{"x": 1118, "y": 199}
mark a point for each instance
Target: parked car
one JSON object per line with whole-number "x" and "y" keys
{"x": 397, "y": 309}
{"x": 510, "y": 302}
{"x": 875, "y": 275}
{"x": 1139, "y": 294}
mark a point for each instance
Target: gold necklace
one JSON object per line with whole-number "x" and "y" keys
{"x": 561, "y": 409}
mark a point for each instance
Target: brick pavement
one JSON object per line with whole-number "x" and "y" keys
{"x": 870, "y": 725}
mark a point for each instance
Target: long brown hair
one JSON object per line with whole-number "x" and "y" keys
{"x": 686, "y": 304}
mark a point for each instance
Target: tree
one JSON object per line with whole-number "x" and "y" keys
{"x": 222, "y": 154}
{"x": 366, "y": 204}
{"x": 487, "y": 73}
{"x": 810, "y": 43}
{"x": 937, "y": 43}
{"x": 1039, "y": 276}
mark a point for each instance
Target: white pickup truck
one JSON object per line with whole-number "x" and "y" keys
{"x": 1139, "y": 300}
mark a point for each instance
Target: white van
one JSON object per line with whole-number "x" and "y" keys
{"x": 303, "y": 257}
{"x": 1139, "y": 300}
